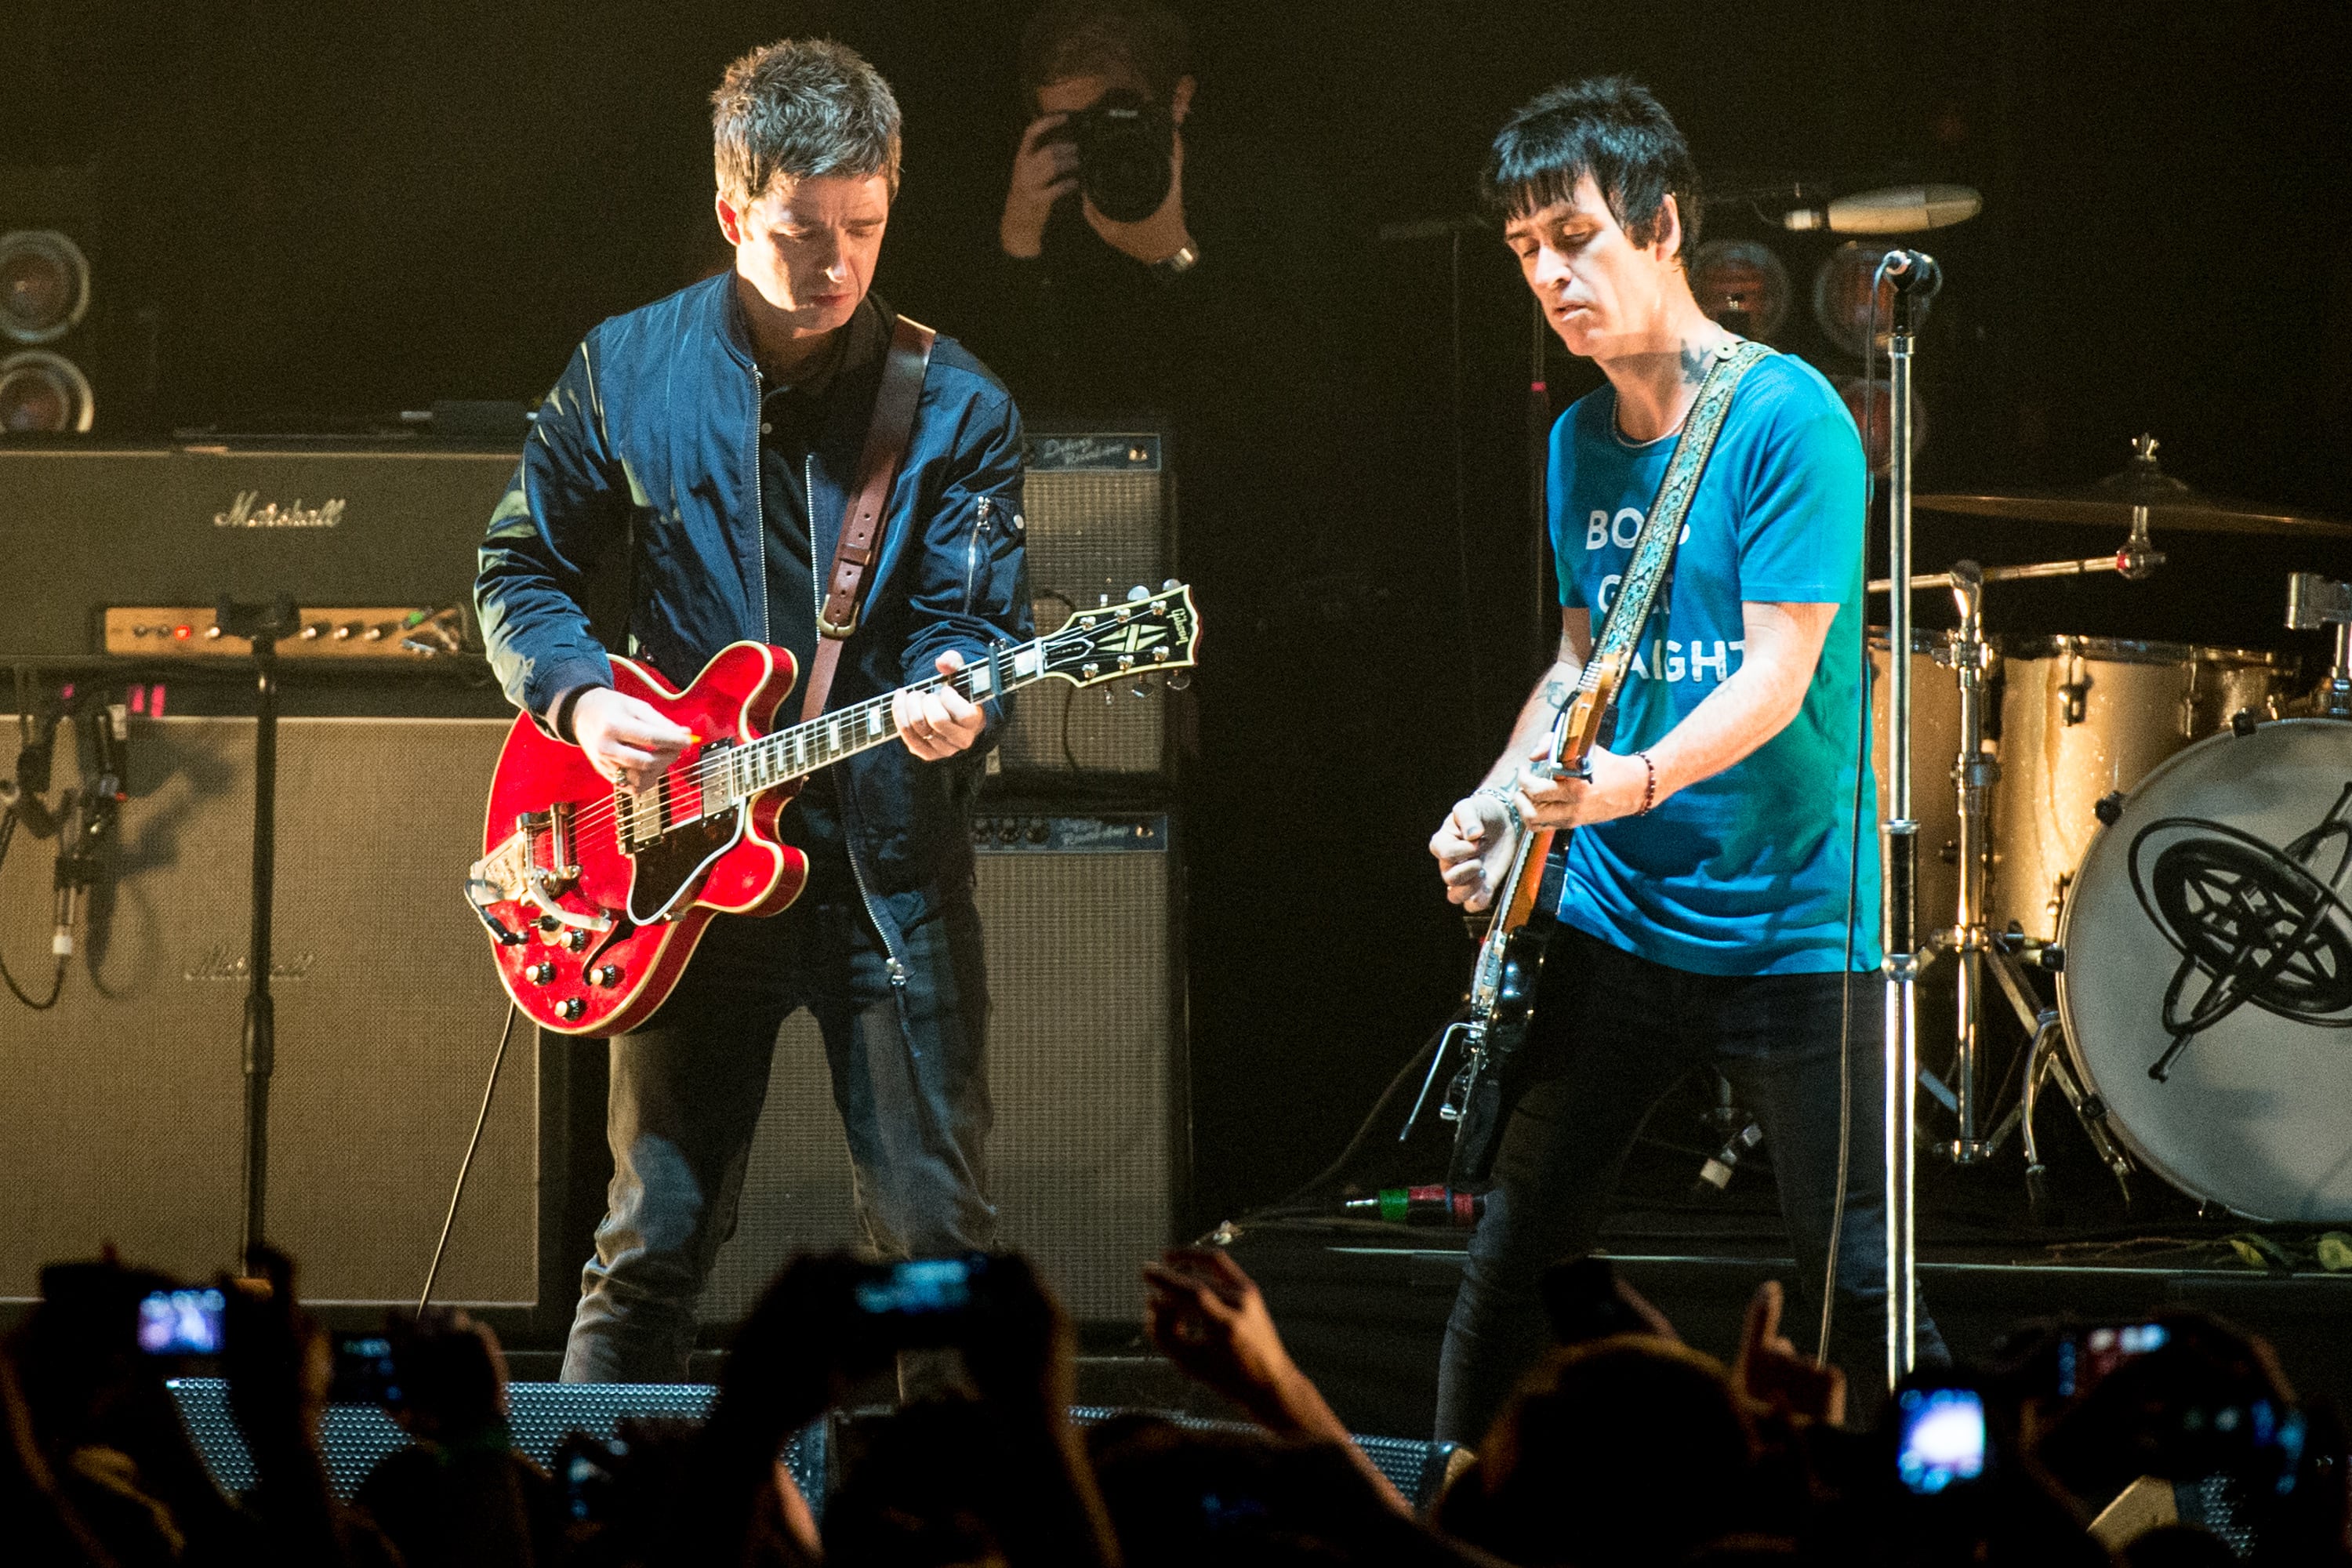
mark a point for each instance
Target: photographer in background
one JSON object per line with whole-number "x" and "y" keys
{"x": 1100, "y": 261}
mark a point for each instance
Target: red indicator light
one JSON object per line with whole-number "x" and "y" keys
{"x": 184, "y": 632}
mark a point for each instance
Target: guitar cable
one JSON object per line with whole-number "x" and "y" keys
{"x": 57, "y": 975}
{"x": 466, "y": 1166}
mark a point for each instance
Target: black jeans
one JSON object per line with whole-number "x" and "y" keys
{"x": 1613, "y": 1034}
{"x": 909, "y": 1078}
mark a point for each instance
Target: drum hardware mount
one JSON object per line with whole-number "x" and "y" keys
{"x": 2312, "y": 602}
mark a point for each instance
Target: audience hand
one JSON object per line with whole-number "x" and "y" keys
{"x": 1770, "y": 1371}
{"x": 1207, "y": 1316}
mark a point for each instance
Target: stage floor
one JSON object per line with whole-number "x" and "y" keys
{"x": 1363, "y": 1306}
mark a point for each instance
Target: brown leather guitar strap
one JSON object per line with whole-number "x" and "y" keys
{"x": 887, "y": 435}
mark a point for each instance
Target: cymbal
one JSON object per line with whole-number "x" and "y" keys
{"x": 2114, "y": 501}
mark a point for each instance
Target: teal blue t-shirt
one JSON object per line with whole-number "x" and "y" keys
{"x": 1744, "y": 873}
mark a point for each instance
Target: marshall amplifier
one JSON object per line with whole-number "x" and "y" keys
{"x": 120, "y": 1108}
{"x": 351, "y": 523}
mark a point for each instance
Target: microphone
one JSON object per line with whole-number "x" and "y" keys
{"x": 1912, "y": 273}
{"x": 1897, "y": 209}
{"x": 87, "y": 816}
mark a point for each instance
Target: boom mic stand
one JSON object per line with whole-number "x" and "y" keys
{"x": 263, "y": 624}
{"x": 1904, "y": 270}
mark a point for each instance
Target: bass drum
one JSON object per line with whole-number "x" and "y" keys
{"x": 2208, "y": 987}
{"x": 2081, "y": 718}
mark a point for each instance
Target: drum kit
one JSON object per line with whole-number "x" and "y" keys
{"x": 2167, "y": 830}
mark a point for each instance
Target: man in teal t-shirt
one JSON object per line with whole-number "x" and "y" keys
{"x": 1715, "y": 914}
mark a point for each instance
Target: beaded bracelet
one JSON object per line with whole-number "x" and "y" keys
{"x": 1510, "y": 805}
{"x": 1650, "y": 786}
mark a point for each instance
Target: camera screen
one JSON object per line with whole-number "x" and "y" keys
{"x": 2084, "y": 1358}
{"x": 1943, "y": 1438}
{"x": 366, "y": 1372}
{"x": 921, "y": 1287}
{"x": 180, "y": 1322}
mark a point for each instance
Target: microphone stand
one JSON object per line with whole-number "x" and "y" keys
{"x": 263, "y": 624}
{"x": 1902, "y": 838}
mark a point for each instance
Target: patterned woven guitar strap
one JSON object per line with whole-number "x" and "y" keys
{"x": 1654, "y": 547}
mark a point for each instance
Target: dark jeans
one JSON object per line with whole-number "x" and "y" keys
{"x": 909, "y": 1078}
{"x": 1613, "y": 1034}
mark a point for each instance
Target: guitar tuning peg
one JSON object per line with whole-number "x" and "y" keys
{"x": 1138, "y": 690}
{"x": 1171, "y": 585}
{"x": 1180, "y": 679}
{"x": 1138, "y": 592}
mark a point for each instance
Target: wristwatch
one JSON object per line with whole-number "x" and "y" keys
{"x": 1169, "y": 268}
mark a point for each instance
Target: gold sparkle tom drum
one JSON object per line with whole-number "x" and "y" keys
{"x": 2083, "y": 718}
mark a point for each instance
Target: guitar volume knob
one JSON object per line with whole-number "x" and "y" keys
{"x": 576, "y": 940}
{"x": 606, "y": 975}
{"x": 539, "y": 973}
{"x": 570, "y": 1009}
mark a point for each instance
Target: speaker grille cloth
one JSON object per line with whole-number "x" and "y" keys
{"x": 1089, "y": 534}
{"x": 122, "y": 1108}
{"x": 1080, "y": 1161}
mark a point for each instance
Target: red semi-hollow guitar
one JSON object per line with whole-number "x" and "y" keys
{"x": 595, "y": 894}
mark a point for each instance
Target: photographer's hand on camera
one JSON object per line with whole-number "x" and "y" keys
{"x": 1044, "y": 170}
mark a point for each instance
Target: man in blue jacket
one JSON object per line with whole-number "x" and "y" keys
{"x": 684, "y": 482}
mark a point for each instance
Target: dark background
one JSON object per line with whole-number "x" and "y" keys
{"x": 316, "y": 213}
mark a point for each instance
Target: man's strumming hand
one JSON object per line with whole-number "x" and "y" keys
{"x": 1474, "y": 846}
{"x": 626, "y": 738}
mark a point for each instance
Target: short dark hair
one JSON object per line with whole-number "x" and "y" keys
{"x": 1081, "y": 37}
{"x": 802, "y": 108}
{"x": 1610, "y": 127}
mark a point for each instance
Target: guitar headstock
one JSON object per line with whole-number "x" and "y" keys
{"x": 1144, "y": 632}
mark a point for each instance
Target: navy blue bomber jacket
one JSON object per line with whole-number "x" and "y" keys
{"x": 633, "y": 523}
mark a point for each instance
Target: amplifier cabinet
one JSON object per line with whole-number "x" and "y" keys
{"x": 83, "y": 528}
{"x": 120, "y": 1109}
{"x": 1087, "y": 1164}
{"x": 1099, "y": 515}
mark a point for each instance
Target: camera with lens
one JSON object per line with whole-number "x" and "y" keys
{"x": 1126, "y": 149}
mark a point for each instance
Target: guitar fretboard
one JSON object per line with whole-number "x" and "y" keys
{"x": 726, "y": 776}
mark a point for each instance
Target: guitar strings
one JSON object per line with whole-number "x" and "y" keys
{"x": 594, "y": 822}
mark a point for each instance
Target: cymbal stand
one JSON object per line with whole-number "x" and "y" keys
{"x": 1975, "y": 771}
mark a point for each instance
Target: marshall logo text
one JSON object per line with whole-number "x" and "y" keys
{"x": 221, "y": 965}
{"x": 244, "y": 512}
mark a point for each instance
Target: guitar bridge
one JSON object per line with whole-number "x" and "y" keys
{"x": 513, "y": 872}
